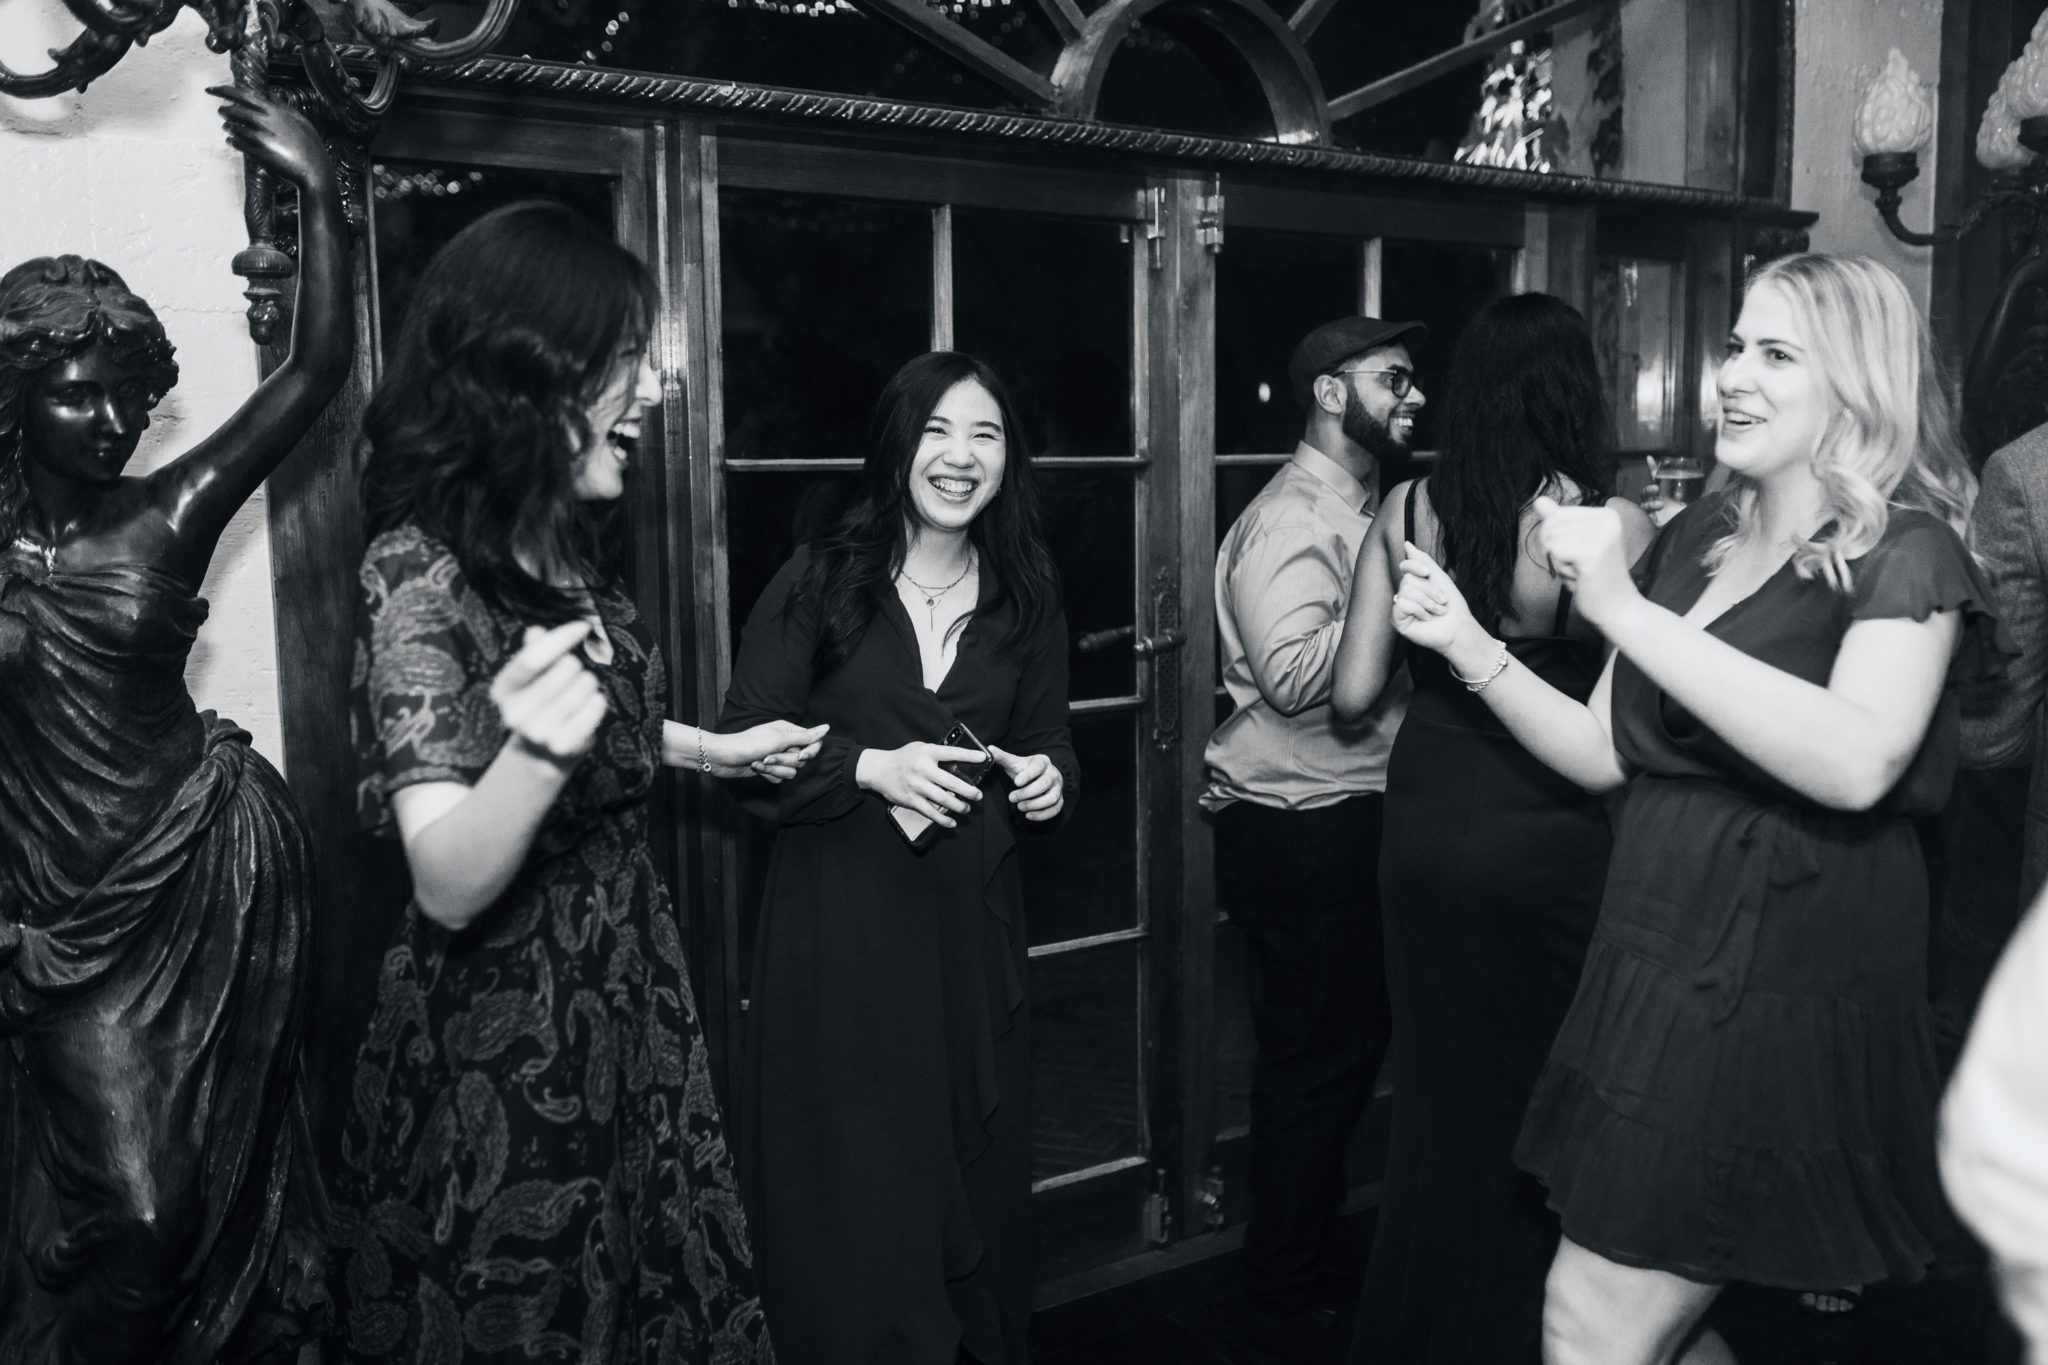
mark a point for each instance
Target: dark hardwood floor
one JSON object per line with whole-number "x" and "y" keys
{"x": 1183, "y": 1317}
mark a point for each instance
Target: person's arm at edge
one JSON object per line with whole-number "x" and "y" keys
{"x": 2000, "y": 718}
{"x": 1365, "y": 651}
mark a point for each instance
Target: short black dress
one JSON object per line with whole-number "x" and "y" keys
{"x": 1490, "y": 875}
{"x": 534, "y": 1166}
{"x": 1745, "y": 1086}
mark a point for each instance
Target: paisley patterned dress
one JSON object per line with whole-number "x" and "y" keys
{"x": 534, "y": 1166}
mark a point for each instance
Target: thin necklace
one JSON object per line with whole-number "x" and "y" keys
{"x": 932, "y": 595}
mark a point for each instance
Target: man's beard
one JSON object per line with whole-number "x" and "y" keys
{"x": 1375, "y": 436}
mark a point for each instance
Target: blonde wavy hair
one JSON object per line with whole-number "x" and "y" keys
{"x": 1890, "y": 442}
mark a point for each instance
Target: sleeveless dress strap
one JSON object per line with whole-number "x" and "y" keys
{"x": 1564, "y": 609}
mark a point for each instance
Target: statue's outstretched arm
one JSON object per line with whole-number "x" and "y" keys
{"x": 203, "y": 489}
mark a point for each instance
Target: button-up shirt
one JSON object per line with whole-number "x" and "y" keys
{"x": 1283, "y": 581}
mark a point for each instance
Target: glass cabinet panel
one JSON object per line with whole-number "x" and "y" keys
{"x": 1272, "y": 289}
{"x": 418, "y": 206}
{"x": 823, "y": 299}
{"x": 1638, "y": 336}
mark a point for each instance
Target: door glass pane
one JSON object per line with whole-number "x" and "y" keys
{"x": 1273, "y": 289}
{"x": 1090, "y": 524}
{"x": 1081, "y": 878}
{"x": 767, "y": 516}
{"x": 824, "y": 299}
{"x": 1086, "y": 1084}
{"x": 1047, "y": 302}
{"x": 420, "y": 206}
{"x": 1441, "y": 284}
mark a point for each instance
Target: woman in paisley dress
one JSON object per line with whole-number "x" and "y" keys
{"x": 534, "y": 1166}
{"x": 155, "y": 882}
{"x": 1744, "y": 1085}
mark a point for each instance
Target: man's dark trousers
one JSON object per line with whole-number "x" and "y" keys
{"x": 1303, "y": 887}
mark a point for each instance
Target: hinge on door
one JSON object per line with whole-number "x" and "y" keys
{"x": 1209, "y": 216}
{"x": 1155, "y": 224}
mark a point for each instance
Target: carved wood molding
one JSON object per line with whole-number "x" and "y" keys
{"x": 866, "y": 113}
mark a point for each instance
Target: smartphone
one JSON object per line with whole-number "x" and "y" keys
{"x": 920, "y": 829}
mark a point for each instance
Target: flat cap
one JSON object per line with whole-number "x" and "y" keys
{"x": 1323, "y": 349}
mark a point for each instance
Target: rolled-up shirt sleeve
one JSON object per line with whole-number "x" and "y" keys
{"x": 1287, "y": 595}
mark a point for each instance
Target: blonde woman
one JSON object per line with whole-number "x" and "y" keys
{"x": 1744, "y": 1086}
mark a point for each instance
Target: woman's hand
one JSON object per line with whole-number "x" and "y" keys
{"x": 1431, "y": 612}
{"x": 774, "y": 749}
{"x": 275, "y": 136}
{"x": 911, "y": 777}
{"x": 550, "y": 702}
{"x": 1039, "y": 788}
{"x": 1586, "y": 548}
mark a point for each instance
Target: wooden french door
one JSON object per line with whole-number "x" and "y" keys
{"x": 828, "y": 269}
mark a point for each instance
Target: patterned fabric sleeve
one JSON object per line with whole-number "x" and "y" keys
{"x": 426, "y": 651}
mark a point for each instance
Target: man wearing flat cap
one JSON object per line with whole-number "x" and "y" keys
{"x": 1296, "y": 797}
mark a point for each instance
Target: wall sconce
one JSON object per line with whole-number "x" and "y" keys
{"x": 1896, "y": 119}
{"x": 1893, "y": 124}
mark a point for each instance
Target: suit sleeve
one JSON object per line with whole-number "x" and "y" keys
{"x": 1999, "y": 719}
{"x": 771, "y": 680}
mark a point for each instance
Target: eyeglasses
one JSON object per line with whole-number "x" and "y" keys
{"x": 1399, "y": 382}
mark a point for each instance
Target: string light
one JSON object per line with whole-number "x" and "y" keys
{"x": 387, "y": 184}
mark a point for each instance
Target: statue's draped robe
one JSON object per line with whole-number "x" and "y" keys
{"x": 155, "y": 888}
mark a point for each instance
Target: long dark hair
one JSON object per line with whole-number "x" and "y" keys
{"x": 851, "y": 571}
{"x": 1523, "y": 408}
{"x": 477, "y": 425}
{"x": 53, "y": 308}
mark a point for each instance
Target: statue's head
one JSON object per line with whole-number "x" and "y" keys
{"x": 72, "y": 336}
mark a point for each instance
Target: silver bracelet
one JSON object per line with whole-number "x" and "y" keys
{"x": 1479, "y": 684}
{"x": 703, "y": 760}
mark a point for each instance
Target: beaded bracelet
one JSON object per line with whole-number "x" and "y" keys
{"x": 703, "y": 759}
{"x": 1479, "y": 684}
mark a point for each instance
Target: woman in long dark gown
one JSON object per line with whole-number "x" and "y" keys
{"x": 1491, "y": 864}
{"x": 154, "y": 878}
{"x": 534, "y": 1164}
{"x": 1744, "y": 1087}
{"x": 885, "y": 1119}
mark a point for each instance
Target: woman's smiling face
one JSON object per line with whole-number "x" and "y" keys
{"x": 958, "y": 464}
{"x": 615, "y": 419}
{"x": 1775, "y": 403}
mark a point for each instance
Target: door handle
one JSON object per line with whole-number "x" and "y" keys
{"x": 1165, "y": 642}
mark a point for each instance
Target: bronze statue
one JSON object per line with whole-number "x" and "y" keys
{"x": 155, "y": 883}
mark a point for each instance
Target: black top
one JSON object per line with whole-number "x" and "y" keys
{"x": 1919, "y": 567}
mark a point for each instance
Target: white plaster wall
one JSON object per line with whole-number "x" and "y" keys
{"x": 136, "y": 173}
{"x": 1842, "y": 46}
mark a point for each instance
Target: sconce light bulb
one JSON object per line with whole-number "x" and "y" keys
{"x": 2022, "y": 93}
{"x": 1896, "y": 115}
